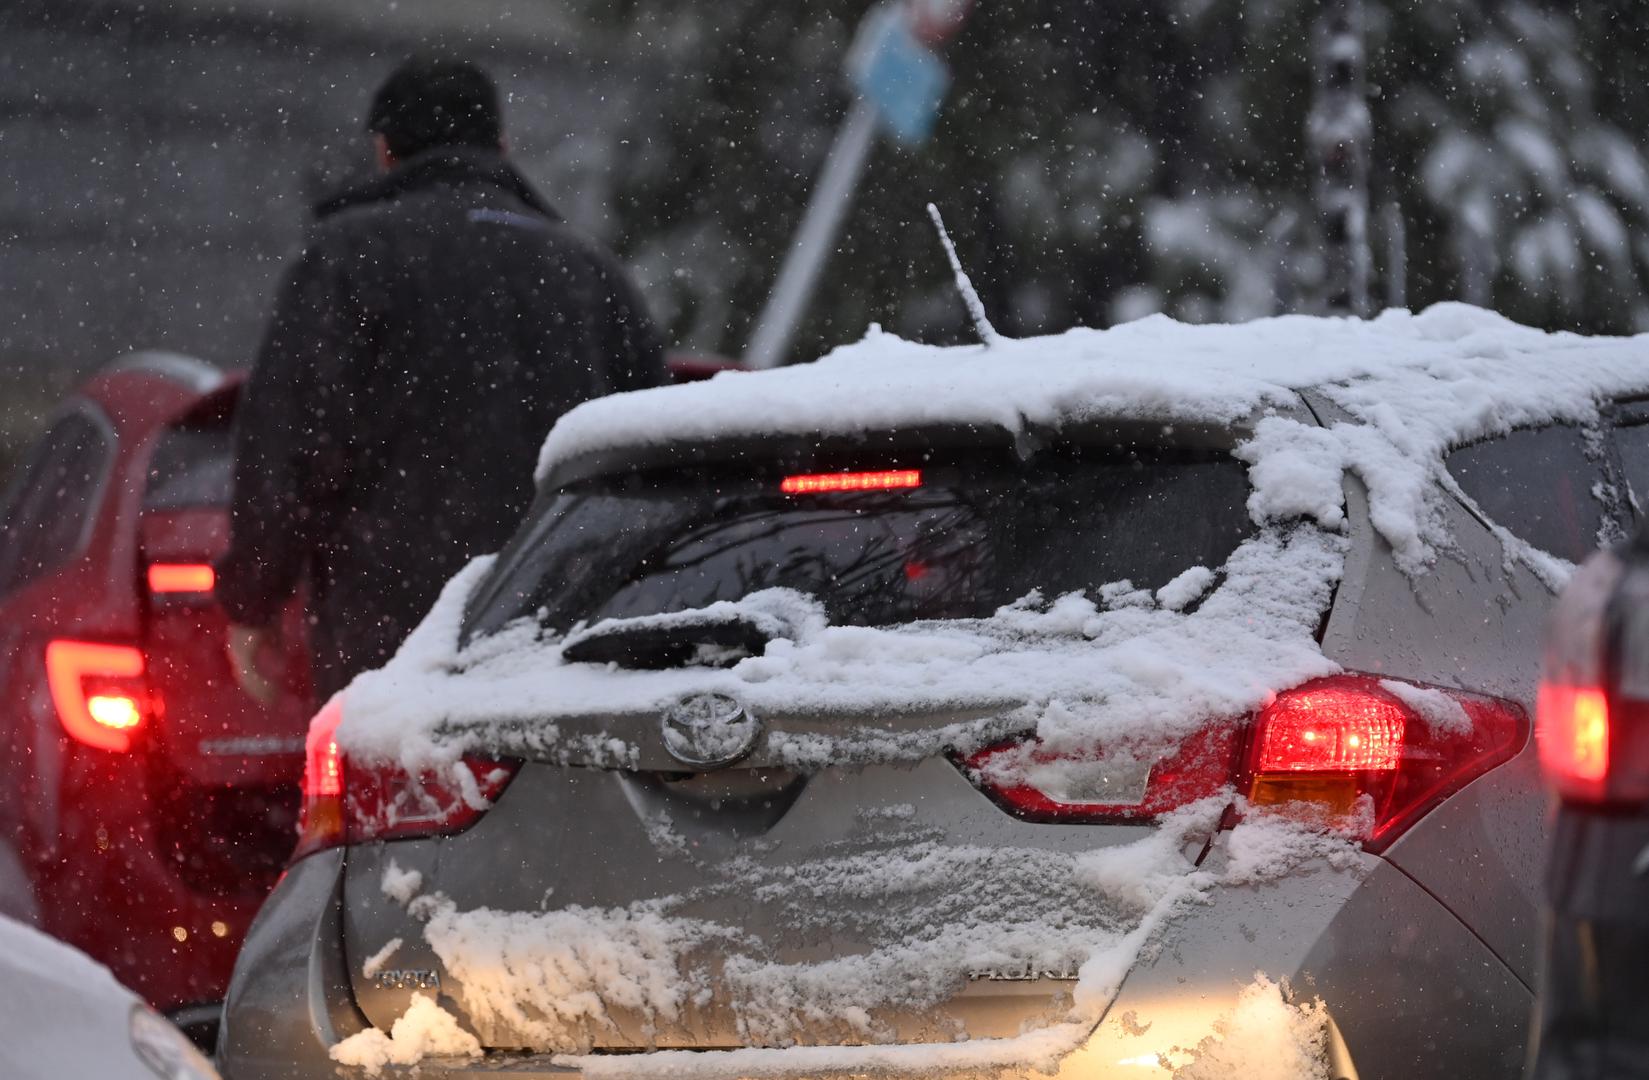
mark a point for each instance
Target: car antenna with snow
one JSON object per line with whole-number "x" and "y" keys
{"x": 970, "y": 296}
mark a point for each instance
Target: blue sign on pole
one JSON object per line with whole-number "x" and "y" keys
{"x": 903, "y": 78}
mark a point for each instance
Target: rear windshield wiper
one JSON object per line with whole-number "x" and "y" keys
{"x": 715, "y": 636}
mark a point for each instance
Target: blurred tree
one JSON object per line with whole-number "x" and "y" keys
{"x": 1097, "y": 162}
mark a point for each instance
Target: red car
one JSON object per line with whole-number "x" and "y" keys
{"x": 151, "y": 804}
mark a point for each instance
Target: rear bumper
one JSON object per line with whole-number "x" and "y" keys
{"x": 1593, "y": 1018}
{"x": 112, "y": 889}
{"x": 1410, "y": 991}
{"x": 289, "y": 997}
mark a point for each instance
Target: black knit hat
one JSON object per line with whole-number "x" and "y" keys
{"x": 433, "y": 101}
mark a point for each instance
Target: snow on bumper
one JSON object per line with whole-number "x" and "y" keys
{"x": 1350, "y": 964}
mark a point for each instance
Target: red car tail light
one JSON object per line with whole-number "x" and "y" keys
{"x": 101, "y": 695}
{"x": 1321, "y": 749}
{"x": 1327, "y": 746}
{"x": 1030, "y": 781}
{"x": 1573, "y": 722}
{"x": 182, "y": 578}
{"x": 349, "y": 803}
{"x": 1592, "y": 716}
{"x": 1594, "y": 747}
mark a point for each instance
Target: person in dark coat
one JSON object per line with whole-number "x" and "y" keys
{"x": 440, "y": 320}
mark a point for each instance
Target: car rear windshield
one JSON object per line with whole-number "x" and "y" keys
{"x": 190, "y": 468}
{"x": 971, "y": 537}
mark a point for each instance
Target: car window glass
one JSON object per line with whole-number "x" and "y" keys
{"x": 1633, "y": 445}
{"x": 190, "y": 468}
{"x": 970, "y": 539}
{"x": 1547, "y": 486}
{"x": 47, "y": 522}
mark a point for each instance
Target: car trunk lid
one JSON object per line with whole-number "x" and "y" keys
{"x": 223, "y": 768}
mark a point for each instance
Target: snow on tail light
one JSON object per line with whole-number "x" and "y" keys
{"x": 100, "y": 692}
{"x": 347, "y": 802}
{"x": 1031, "y": 781}
{"x": 1338, "y": 745}
{"x": 1323, "y": 751}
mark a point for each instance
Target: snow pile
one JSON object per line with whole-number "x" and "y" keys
{"x": 425, "y": 1030}
{"x": 774, "y": 613}
{"x": 1262, "y": 1038}
{"x": 1186, "y": 587}
{"x": 375, "y": 963}
{"x": 1444, "y": 714}
{"x": 552, "y": 975}
{"x": 401, "y": 885}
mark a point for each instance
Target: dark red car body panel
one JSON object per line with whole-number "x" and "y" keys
{"x": 153, "y": 861}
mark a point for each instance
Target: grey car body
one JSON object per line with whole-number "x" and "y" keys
{"x": 1422, "y": 954}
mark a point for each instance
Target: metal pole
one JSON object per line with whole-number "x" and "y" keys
{"x": 1397, "y": 259}
{"x": 815, "y": 240}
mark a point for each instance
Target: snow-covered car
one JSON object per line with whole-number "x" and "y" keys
{"x": 63, "y": 1015}
{"x": 1122, "y": 703}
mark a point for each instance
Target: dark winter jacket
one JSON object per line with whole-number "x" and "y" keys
{"x": 439, "y": 322}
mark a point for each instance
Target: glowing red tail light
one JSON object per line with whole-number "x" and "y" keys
{"x": 1592, "y": 715}
{"x": 1395, "y": 749}
{"x": 1330, "y": 729}
{"x": 323, "y": 764}
{"x": 101, "y": 695}
{"x": 187, "y": 578}
{"x": 1594, "y": 747}
{"x": 349, "y": 803}
{"x": 1323, "y": 749}
{"x": 819, "y": 483}
{"x": 1573, "y": 722}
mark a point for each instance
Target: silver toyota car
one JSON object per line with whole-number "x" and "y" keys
{"x": 1133, "y": 703}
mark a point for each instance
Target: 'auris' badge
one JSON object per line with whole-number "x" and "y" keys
{"x": 1027, "y": 973}
{"x": 709, "y": 731}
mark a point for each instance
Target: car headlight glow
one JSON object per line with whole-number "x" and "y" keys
{"x": 166, "y": 1050}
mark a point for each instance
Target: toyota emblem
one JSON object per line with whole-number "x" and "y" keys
{"x": 709, "y": 731}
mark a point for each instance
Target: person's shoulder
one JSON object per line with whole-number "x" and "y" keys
{"x": 347, "y": 223}
{"x": 348, "y": 236}
{"x": 574, "y": 245}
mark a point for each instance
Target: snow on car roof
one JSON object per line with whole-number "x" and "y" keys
{"x": 1153, "y": 368}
